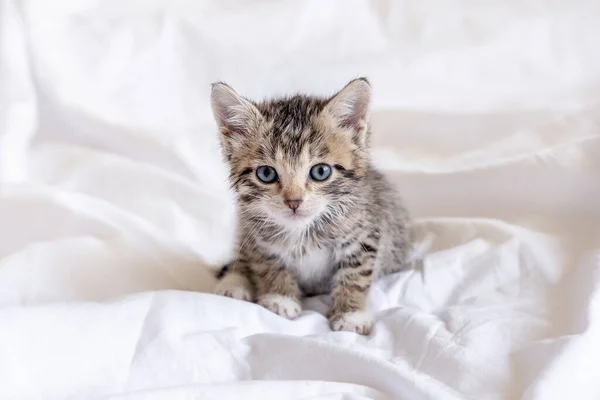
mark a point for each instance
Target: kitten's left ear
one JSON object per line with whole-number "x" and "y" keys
{"x": 350, "y": 106}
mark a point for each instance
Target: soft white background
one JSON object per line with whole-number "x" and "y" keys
{"x": 113, "y": 200}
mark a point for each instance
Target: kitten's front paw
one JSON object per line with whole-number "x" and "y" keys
{"x": 360, "y": 322}
{"x": 281, "y": 305}
{"x": 235, "y": 286}
{"x": 238, "y": 293}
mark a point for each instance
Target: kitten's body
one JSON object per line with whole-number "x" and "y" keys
{"x": 344, "y": 230}
{"x": 312, "y": 253}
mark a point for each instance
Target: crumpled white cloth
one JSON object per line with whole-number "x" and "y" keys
{"x": 114, "y": 205}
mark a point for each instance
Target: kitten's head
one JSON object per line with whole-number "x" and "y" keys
{"x": 297, "y": 159}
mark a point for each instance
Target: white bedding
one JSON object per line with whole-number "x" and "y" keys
{"x": 114, "y": 205}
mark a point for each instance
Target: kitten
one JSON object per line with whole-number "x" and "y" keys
{"x": 315, "y": 216}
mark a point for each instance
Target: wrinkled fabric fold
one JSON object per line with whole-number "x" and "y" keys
{"x": 115, "y": 209}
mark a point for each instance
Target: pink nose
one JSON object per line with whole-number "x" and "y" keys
{"x": 293, "y": 204}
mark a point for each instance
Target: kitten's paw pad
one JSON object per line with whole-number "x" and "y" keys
{"x": 234, "y": 291}
{"x": 360, "y": 322}
{"x": 281, "y": 305}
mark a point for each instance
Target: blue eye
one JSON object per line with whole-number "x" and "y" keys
{"x": 266, "y": 174}
{"x": 320, "y": 172}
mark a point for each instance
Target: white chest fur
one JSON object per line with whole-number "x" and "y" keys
{"x": 312, "y": 267}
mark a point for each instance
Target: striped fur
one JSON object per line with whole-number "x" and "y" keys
{"x": 348, "y": 230}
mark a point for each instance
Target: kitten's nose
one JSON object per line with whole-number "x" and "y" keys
{"x": 293, "y": 204}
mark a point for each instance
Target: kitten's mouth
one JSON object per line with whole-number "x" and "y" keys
{"x": 292, "y": 219}
{"x": 297, "y": 215}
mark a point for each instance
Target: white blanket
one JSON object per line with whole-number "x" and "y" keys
{"x": 114, "y": 205}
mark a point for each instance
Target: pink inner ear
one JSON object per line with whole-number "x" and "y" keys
{"x": 356, "y": 117}
{"x": 233, "y": 113}
{"x": 351, "y": 105}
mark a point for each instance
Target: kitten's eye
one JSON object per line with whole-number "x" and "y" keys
{"x": 320, "y": 172}
{"x": 266, "y": 174}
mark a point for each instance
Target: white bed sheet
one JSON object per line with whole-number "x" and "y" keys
{"x": 114, "y": 205}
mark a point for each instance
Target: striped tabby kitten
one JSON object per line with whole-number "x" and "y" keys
{"x": 315, "y": 216}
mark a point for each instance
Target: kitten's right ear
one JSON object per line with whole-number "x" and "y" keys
{"x": 234, "y": 114}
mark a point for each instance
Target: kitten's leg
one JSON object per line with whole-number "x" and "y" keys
{"x": 235, "y": 284}
{"x": 351, "y": 285}
{"x": 277, "y": 289}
